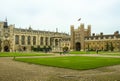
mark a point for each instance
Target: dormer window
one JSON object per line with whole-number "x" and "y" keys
{"x": 109, "y": 37}
{"x": 104, "y": 37}
{"x": 114, "y": 37}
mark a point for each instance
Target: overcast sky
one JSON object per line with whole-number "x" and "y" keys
{"x": 103, "y": 15}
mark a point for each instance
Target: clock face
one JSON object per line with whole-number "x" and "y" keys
{"x": 6, "y": 35}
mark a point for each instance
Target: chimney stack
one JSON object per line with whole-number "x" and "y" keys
{"x": 93, "y": 34}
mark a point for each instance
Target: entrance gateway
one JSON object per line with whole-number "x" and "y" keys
{"x": 78, "y": 46}
{"x": 6, "y": 49}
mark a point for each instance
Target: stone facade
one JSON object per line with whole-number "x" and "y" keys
{"x": 77, "y": 37}
{"x": 81, "y": 39}
{"x": 103, "y": 42}
{"x": 17, "y": 39}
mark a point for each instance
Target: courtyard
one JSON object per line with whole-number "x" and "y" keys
{"x": 11, "y": 70}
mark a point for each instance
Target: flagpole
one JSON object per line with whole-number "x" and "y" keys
{"x": 79, "y": 20}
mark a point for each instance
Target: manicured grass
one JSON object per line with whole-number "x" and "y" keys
{"x": 94, "y": 52}
{"x": 110, "y": 53}
{"x": 73, "y": 62}
{"x": 82, "y": 52}
{"x": 20, "y": 54}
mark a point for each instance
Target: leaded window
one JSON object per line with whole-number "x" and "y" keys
{"x": 41, "y": 40}
{"x": 16, "y": 39}
{"x": 46, "y": 40}
{"x": 23, "y": 40}
{"x": 51, "y": 40}
{"x": 29, "y": 40}
{"x": 56, "y": 42}
{"x": 34, "y": 40}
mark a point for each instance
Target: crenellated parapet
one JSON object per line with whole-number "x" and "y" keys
{"x": 78, "y": 35}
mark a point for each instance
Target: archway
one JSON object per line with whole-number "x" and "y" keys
{"x": 6, "y": 49}
{"x": 24, "y": 48}
{"x": 78, "y": 46}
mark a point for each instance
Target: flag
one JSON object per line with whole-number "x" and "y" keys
{"x": 79, "y": 19}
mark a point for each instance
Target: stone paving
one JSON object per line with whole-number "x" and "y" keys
{"x": 11, "y": 70}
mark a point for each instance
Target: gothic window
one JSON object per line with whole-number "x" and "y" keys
{"x": 23, "y": 40}
{"x": 34, "y": 40}
{"x": 16, "y": 39}
{"x": 41, "y": 41}
{"x": 29, "y": 39}
{"x": 46, "y": 40}
{"x": 51, "y": 40}
{"x": 56, "y": 42}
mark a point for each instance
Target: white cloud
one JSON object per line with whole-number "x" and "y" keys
{"x": 61, "y": 13}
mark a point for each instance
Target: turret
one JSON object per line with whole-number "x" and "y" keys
{"x": 6, "y": 23}
{"x": 72, "y": 36}
{"x": 89, "y": 30}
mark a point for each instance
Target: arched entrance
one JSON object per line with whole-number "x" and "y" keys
{"x": 24, "y": 48}
{"x": 6, "y": 49}
{"x": 78, "y": 46}
{"x": 6, "y": 44}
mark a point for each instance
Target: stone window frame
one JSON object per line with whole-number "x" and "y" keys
{"x": 34, "y": 40}
{"x": 17, "y": 38}
{"x": 29, "y": 40}
{"x": 23, "y": 40}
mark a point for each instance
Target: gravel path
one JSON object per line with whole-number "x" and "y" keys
{"x": 11, "y": 70}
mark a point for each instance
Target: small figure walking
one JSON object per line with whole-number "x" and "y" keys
{"x": 60, "y": 53}
{"x": 97, "y": 51}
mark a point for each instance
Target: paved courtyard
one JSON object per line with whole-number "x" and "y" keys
{"x": 11, "y": 70}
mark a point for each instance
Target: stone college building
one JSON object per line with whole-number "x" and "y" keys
{"x": 82, "y": 40}
{"x": 14, "y": 39}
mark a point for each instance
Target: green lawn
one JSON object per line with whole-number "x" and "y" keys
{"x": 94, "y": 52}
{"x": 84, "y": 52}
{"x": 73, "y": 62}
{"x": 20, "y": 54}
